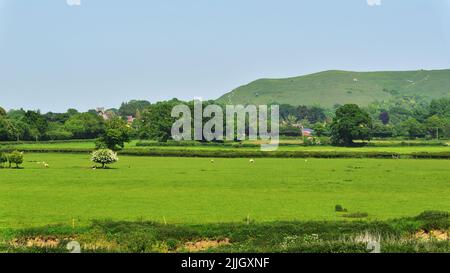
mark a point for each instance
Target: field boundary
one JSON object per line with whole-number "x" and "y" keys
{"x": 154, "y": 152}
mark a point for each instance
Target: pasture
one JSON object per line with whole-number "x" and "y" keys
{"x": 289, "y": 148}
{"x": 197, "y": 191}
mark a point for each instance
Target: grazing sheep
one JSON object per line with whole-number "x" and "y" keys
{"x": 212, "y": 160}
{"x": 252, "y": 161}
{"x": 46, "y": 165}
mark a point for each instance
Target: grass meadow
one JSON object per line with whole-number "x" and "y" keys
{"x": 211, "y": 198}
{"x": 197, "y": 191}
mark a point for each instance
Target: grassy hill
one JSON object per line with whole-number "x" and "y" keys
{"x": 331, "y": 87}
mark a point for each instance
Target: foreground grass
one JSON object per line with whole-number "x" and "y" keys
{"x": 428, "y": 232}
{"x": 196, "y": 191}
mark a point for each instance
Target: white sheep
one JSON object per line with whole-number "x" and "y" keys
{"x": 212, "y": 160}
{"x": 46, "y": 165}
{"x": 252, "y": 161}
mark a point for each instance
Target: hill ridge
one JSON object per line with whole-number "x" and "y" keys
{"x": 330, "y": 87}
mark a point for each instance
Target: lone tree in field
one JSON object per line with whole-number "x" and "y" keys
{"x": 104, "y": 157}
{"x": 16, "y": 158}
{"x": 351, "y": 123}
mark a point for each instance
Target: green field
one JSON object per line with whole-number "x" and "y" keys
{"x": 196, "y": 191}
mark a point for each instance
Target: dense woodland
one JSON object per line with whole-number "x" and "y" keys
{"x": 404, "y": 117}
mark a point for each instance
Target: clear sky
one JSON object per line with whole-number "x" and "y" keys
{"x": 56, "y": 54}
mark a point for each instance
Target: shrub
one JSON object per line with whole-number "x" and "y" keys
{"x": 15, "y": 157}
{"x": 3, "y": 159}
{"x": 311, "y": 141}
{"x": 356, "y": 215}
{"x": 433, "y": 215}
{"x": 104, "y": 157}
{"x": 435, "y": 219}
{"x": 339, "y": 208}
{"x": 137, "y": 241}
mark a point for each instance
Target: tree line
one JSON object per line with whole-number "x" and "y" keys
{"x": 406, "y": 116}
{"x": 411, "y": 117}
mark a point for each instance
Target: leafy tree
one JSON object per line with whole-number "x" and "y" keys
{"x": 440, "y": 107}
{"x": 37, "y": 123}
{"x": 57, "y": 131}
{"x": 287, "y": 111}
{"x": 16, "y": 158}
{"x": 104, "y": 157}
{"x": 3, "y": 129}
{"x": 85, "y": 125}
{"x": 156, "y": 121}
{"x": 72, "y": 112}
{"x": 2, "y": 112}
{"x": 320, "y": 129}
{"x": 384, "y": 117}
{"x": 436, "y": 126}
{"x": 16, "y": 114}
{"x": 316, "y": 114}
{"x": 132, "y": 107}
{"x": 12, "y": 129}
{"x": 381, "y": 130}
{"x": 117, "y": 132}
{"x": 351, "y": 123}
{"x": 302, "y": 112}
{"x": 56, "y": 117}
{"x": 19, "y": 129}
{"x": 313, "y": 115}
{"x": 413, "y": 128}
{"x": 291, "y": 120}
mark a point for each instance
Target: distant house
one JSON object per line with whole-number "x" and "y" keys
{"x": 130, "y": 119}
{"x": 105, "y": 114}
{"x": 306, "y": 132}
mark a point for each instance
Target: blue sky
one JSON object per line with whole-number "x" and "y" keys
{"x": 101, "y": 52}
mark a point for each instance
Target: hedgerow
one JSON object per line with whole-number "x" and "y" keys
{"x": 230, "y": 153}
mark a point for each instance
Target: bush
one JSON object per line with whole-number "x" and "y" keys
{"x": 311, "y": 141}
{"x": 339, "y": 208}
{"x": 104, "y": 157}
{"x": 356, "y": 215}
{"x": 435, "y": 219}
{"x": 137, "y": 241}
{"x": 3, "y": 159}
{"x": 15, "y": 157}
{"x": 433, "y": 215}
